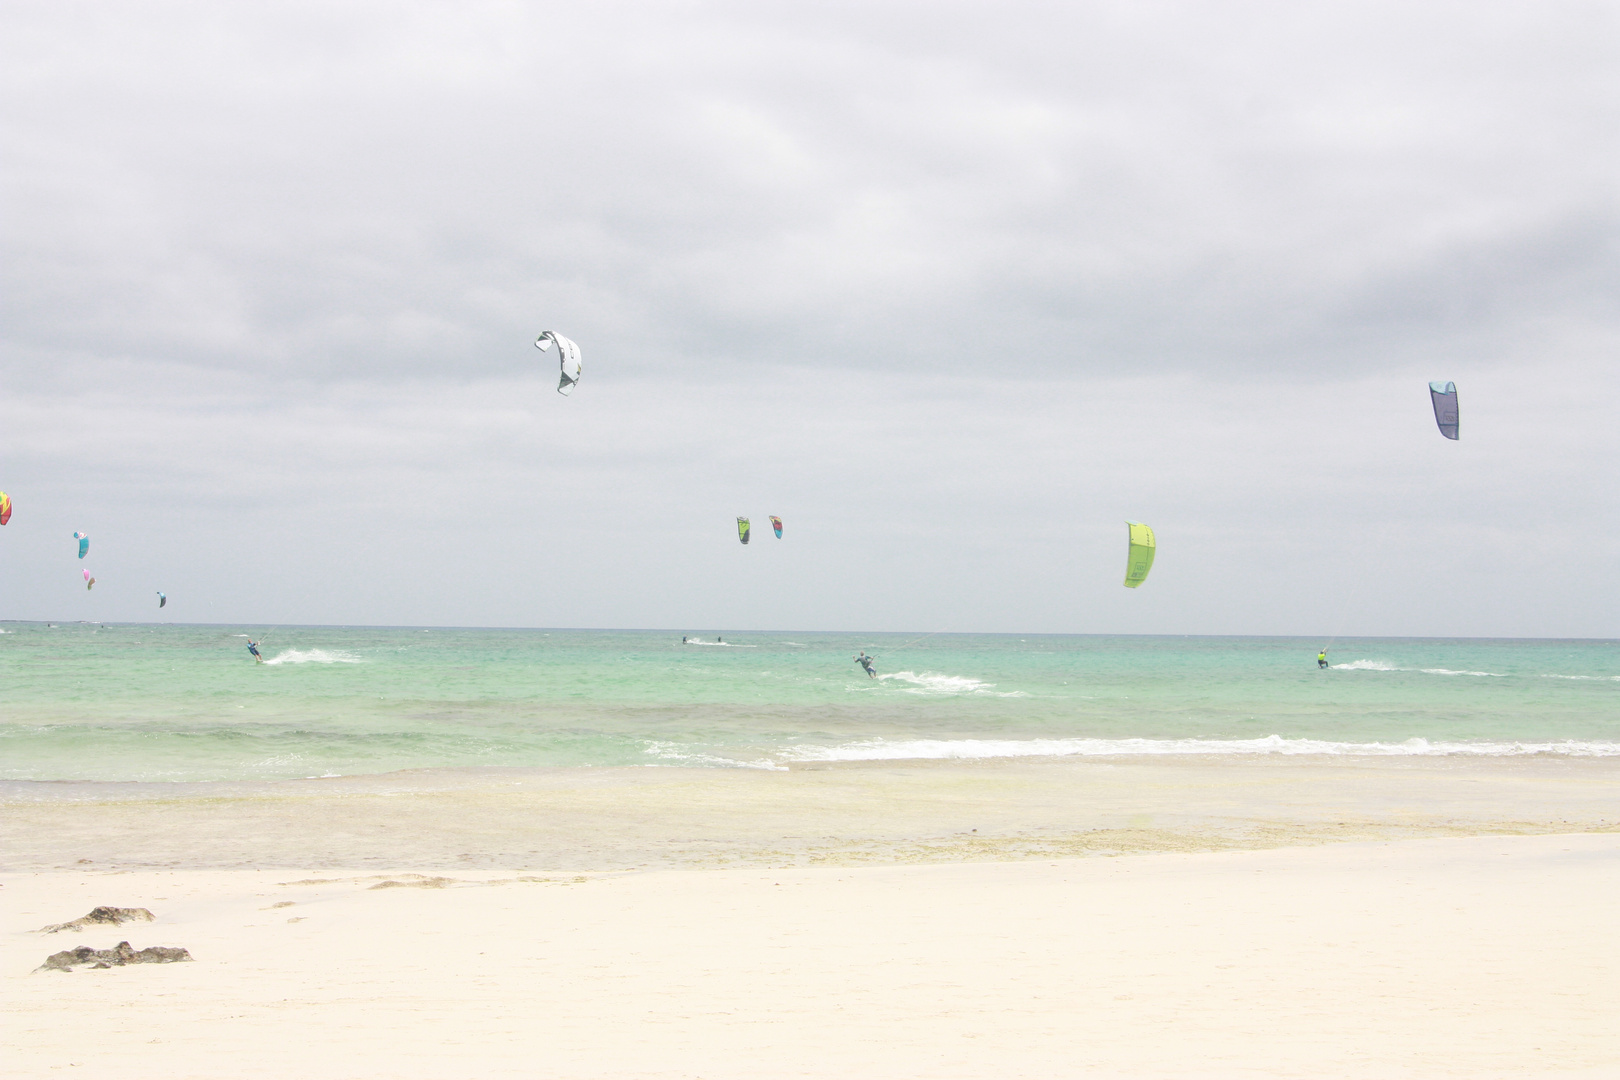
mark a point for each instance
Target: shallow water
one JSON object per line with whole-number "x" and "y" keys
{"x": 187, "y": 703}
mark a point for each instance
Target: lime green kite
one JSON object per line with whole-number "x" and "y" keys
{"x": 1140, "y": 560}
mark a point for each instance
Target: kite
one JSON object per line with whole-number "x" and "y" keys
{"x": 776, "y": 524}
{"x": 1140, "y": 559}
{"x": 743, "y": 530}
{"x": 162, "y": 599}
{"x": 5, "y": 508}
{"x": 89, "y": 582}
{"x": 84, "y": 543}
{"x": 1444, "y": 397}
{"x": 567, "y": 354}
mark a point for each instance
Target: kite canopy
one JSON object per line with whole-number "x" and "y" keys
{"x": 5, "y": 508}
{"x": 1444, "y": 397}
{"x": 84, "y": 543}
{"x": 567, "y": 355}
{"x": 776, "y": 524}
{"x": 89, "y": 582}
{"x": 162, "y": 599}
{"x": 742, "y": 530}
{"x": 1140, "y": 559}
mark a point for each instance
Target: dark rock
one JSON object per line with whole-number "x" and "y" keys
{"x": 85, "y": 956}
{"x": 102, "y": 916}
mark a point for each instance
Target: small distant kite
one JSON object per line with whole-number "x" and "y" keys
{"x": 5, "y": 508}
{"x": 162, "y": 599}
{"x": 84, "y": 543}
{"x": 89, "y": 582}
{"x": 567, "y": 355}
{"x": 1444, "y": 397}
{"x": 776, "y": 524}
{"x": 1140, "y": 559}
{"x": 743, "y": 530}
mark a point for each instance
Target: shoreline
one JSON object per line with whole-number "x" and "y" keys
{"x": 843, "y": 813}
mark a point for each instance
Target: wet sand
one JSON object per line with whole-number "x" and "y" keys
{"x": 638, "y": 818}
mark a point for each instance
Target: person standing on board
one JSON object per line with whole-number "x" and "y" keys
{"x": 1321, "y": 659}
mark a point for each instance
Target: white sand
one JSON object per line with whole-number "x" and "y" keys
{"x": 1476, "y": 957}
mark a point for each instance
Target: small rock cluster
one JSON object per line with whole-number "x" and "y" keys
{"x": 85, "y": 956}
{"x": 102, "y": 916}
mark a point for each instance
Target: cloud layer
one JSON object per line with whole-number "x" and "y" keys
{"x": 954, "y": 289}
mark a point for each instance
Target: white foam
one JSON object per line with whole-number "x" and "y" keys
{"x": 932, "y": 682}
{"x": 970, "y": 749}
{"x": 1385, "y": 665}
{"x": 1586, "y": 678}
{"x": 672, "y": 752}
{"x": 720, "y": 644}
{"x": 313, "y": 656}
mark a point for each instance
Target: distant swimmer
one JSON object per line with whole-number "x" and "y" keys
{"x": 1321, "y": 659}
{"x": 253, "y": 647}
{"x": 866, "y": 662}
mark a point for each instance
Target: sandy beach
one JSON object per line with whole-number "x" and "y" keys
{"x": 1462, "y": 957}
{"x": 1225, "y": 936}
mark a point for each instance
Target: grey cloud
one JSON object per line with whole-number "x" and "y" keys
{"x": 372, "y": 191}
{"x": 955, "y": 287}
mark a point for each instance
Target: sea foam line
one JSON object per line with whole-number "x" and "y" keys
{"x": 1384, "y": 665}
{"x": 973, "y": 749}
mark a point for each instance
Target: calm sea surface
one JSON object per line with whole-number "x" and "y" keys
{"x": 187, "y": 703}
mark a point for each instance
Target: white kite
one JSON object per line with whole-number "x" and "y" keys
{"x": 567, "y": 353}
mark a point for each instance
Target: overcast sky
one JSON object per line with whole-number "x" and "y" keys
{"x": 953, "y": 289}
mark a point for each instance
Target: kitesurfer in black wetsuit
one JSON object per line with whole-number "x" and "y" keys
{"x": 866, "y": 662}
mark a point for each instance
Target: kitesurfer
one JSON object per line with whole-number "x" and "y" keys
{"x": 866, "y": 662}
{"x": 253, "y": 647}
{"x": 1321, "y": 659}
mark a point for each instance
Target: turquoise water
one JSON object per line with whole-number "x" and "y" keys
{"x": 187, "y": 703}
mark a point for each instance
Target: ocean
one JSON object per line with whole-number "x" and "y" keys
{"x": 156, "y": 704}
